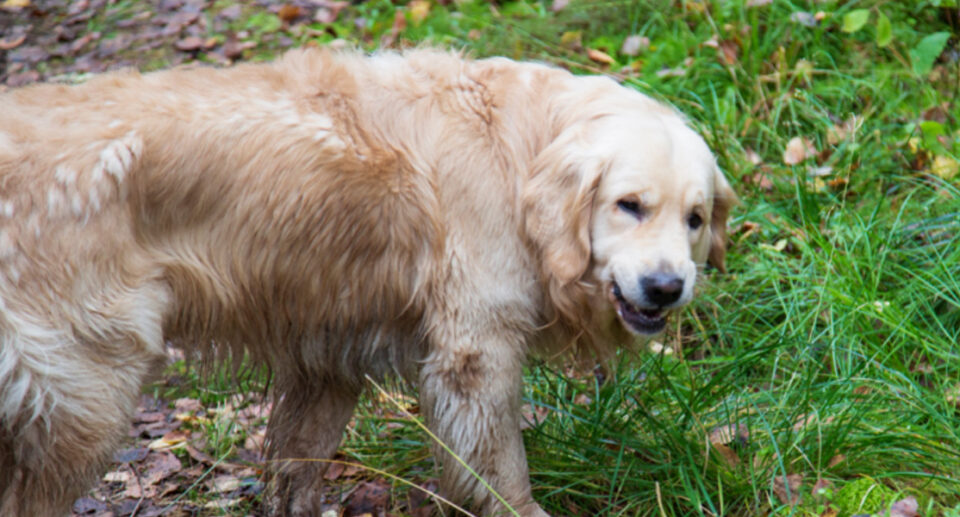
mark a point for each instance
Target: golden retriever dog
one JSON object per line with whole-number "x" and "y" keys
{"x": 332, "y": 216}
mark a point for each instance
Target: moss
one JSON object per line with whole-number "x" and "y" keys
{"x": 864, "y": 495}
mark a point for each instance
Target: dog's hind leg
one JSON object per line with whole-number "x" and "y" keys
{"x": 69, "y": 384}
{"x": 52, "y": 458}
{"x": 305, "y": 429}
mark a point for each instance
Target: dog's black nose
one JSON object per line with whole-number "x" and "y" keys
{"x": 662, "y": 289}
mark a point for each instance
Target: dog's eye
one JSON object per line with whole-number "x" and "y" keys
{"x": 694, "y": 221}
{"x": 631, "y": 207}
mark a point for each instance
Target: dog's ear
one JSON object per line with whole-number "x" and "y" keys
{"x": 724, "y": 198}
{"x": 557, "y": 203}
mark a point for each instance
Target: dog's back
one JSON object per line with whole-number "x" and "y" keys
{"x": 263, "y": 209}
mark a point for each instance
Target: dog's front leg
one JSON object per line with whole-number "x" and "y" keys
{"x": 470, "y": 391}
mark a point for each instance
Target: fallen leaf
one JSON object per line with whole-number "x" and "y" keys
{"x": 232, "y": 12}
{"x": 819, "y": 172}
{"x": 836, "y": 460}
{"x": 727, "y": 454}
{"x": 533, "y": 416}
{"x": 369, "y": 497}
{"x": 558, "y": 5}
{"x": 572, "y": 40}
{"x": 787, "y": 489}
{"x": 222, "y": 504}
{"x": 905, "y": 508}
{"x": 419, "y": 9}
{"x": 131, "y": 455}
{"x": 945, "y": 167}
{"x": 804, "y": 18}
{"x": 14, "y": 42}
{"x": 798, "y": 149}
{"x": 329, "y": 12}
{"x": 821, "y": 488}
{"x": 168, "y": 440}
{"x": 289, "y": 12}
{"x": 399, "y": 25}
{"x": 953, "y": 395}
{"x": 657, "y": 347}
{"x": 635, "y": 44}
{"x": 728, "y": 433}
{"x": 117, "y": 476}
{"x": 599, "y": 56}
{"x": 15, "y": 4}
{"x": 189, "y": 44}
{"x": 758, "y": 3}
{"x": 225, "y": 483}
{"x": 678, "y": 71}
{"x": 729, "y": 52}
{"x": 255, "y": 441}
{"x": 840, "y": 132}
{"x": 418, "y": 501}
{"x": 334, "y": 471}
{"x": 582, "y": 400}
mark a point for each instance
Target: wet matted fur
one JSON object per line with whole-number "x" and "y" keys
{"x": 332, "y": 216}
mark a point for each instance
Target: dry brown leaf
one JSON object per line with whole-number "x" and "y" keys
{"x": 334, "y": 471}
{"x": 729, "y": 457}
{"x": 289, "y": 12}
{"x": 840, "y": 132}
{"x": 746, "y": 229}
{"x": 169, "y": 440}
{"x": 399, "y": 25}
{"x": 836, "y": 460}
{"x": 798, "y": 149}
{"x": 729, "y": 52}
{"x": 599, "y": 56}
{"x": 727, "y": 433}
{"x": 225, "y": 483}
{"x": 781, "y": 485}
{"x": 189, "y": 44}
{"x": 533, "y": 416}
{"x": 7, "y": 44}
{"x": 558, "y": 5}
{"x": 255, "y": 440}
{"x": 905, "y": 508}
{"x": 369, "y": 497}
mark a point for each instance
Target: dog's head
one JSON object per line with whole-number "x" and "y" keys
{"x": 628, "y": 205}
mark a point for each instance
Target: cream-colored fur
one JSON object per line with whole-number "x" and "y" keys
{"x": 332, "y": 216}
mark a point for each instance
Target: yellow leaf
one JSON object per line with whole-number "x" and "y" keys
{"x": 419, "y": 9}
{"x": 13, "y": 4}
{"x": 572, "y": 40}
{"x": 168, "y": 441}
{"x": 945, "y": 167}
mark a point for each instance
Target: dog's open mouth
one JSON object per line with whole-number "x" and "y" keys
{"x": 643, "y": 321}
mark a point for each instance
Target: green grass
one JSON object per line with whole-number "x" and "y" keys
{"x": 832, "y": 341}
